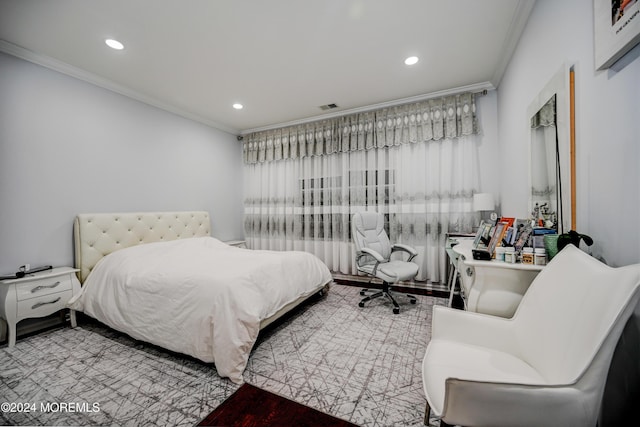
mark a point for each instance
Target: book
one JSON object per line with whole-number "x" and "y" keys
{"x": 523, "y": 236}
{"x": 541, "y": 231}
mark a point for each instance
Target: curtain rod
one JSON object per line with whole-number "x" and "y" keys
{"x": 480, "y": 89}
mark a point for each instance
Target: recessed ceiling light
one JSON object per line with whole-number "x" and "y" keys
{"x": 411, "y": 60}
{"x": 114, "y": 44}
{"x": 238, "y": 106}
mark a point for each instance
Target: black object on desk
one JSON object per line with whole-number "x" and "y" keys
{"x": 481, "y": 254}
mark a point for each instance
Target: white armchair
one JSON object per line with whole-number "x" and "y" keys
{"x": 548, "y": 364}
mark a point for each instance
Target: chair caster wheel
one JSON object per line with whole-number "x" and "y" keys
{"x": 362, "y": 293}
{"x": 396, "y": 311}
{"x": 413, "y": 301}
{"x": 360, "y": 304}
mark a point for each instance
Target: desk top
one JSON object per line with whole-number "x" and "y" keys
{"x": 464, "y": 247}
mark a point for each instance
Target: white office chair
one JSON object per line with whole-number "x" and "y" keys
{"x": 545, "y": 366}
{"x": 373, "y": 257}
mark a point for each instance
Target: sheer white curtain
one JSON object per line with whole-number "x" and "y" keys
{"x": 306, "y": 204}
{"x": 388, "y": 162}
{"x": 434, "y": 194}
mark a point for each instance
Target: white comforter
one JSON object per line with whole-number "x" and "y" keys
{"x": 198, "y": 296}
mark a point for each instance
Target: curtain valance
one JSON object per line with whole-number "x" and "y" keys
{"x": 434, "y": 119}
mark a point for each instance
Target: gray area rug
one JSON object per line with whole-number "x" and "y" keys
{"x": 358, "y": 364}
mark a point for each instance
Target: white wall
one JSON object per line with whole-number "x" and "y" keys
{"x": 69, "y": 147}
{"x": 607, "y": 126}
{"x": 489, "y": 148}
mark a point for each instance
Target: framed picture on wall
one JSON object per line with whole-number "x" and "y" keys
{"x": 616, "y": 29}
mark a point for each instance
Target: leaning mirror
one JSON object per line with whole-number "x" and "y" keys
{"x": 551, "y": 198}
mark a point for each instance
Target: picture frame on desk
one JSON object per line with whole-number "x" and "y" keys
{"x": 496, "y": 238}
{"x": 483, "y": 235}
{"x": 508, "y": 220}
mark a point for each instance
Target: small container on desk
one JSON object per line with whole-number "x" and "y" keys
{"x": 527, "y": 256}
{"x": 540, "y": 256}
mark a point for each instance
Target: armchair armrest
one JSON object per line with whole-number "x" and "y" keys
{"x": 404, "y": 248}
{"x": 472, "y": 328}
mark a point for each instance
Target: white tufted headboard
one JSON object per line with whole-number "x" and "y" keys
{"x": 97, "y": 235}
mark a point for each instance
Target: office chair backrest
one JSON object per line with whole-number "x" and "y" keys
{"x": 367, "y": 230}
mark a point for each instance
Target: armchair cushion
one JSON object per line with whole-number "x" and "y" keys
{"x": 445, "y": 360}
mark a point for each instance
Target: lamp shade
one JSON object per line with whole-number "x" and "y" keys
{"x": 483, "y": 202}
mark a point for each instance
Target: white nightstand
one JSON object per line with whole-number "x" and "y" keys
{"x": 36, "y": 295}
{"x": 237, "y": 243}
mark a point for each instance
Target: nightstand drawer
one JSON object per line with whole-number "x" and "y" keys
{"x": 44, "y": 305}
{"x": 46, "y": 286}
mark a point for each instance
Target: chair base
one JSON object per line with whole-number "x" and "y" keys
{"x": 386, "y": 292}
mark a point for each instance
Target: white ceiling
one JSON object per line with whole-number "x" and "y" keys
{"x": 282, "y": 59}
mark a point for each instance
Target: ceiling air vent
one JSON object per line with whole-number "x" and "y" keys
{"x": 328, "y": 107}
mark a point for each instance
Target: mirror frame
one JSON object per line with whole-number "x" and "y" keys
{"x": 561, "y": 85}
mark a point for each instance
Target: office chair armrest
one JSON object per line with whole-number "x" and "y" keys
{"x": 373, "y": 253}
{"x": 400, "y": 247}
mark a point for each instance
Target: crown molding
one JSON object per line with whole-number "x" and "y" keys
{"x": 64, "y": 68}
{"x": 516, "y": 28}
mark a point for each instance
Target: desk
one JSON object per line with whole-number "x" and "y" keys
{"x": 492, "y": 287}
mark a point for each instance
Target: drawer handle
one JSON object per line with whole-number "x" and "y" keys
{"x": 40, "y": 304}
{"x": 39, "y": 288}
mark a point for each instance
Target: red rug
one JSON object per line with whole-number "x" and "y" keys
{"x": 251, "y": 406}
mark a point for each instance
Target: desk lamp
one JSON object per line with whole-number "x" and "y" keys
{"x": 483, "y": 202}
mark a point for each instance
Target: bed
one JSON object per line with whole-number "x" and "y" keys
{"x": 161, "y": 278}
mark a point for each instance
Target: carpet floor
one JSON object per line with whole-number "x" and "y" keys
{"x": 358, "y": 364}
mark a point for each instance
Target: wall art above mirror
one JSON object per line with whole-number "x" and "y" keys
{"x": 552, "y": 154}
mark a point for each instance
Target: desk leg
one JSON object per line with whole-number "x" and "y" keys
{"x": 453, "y": 275}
